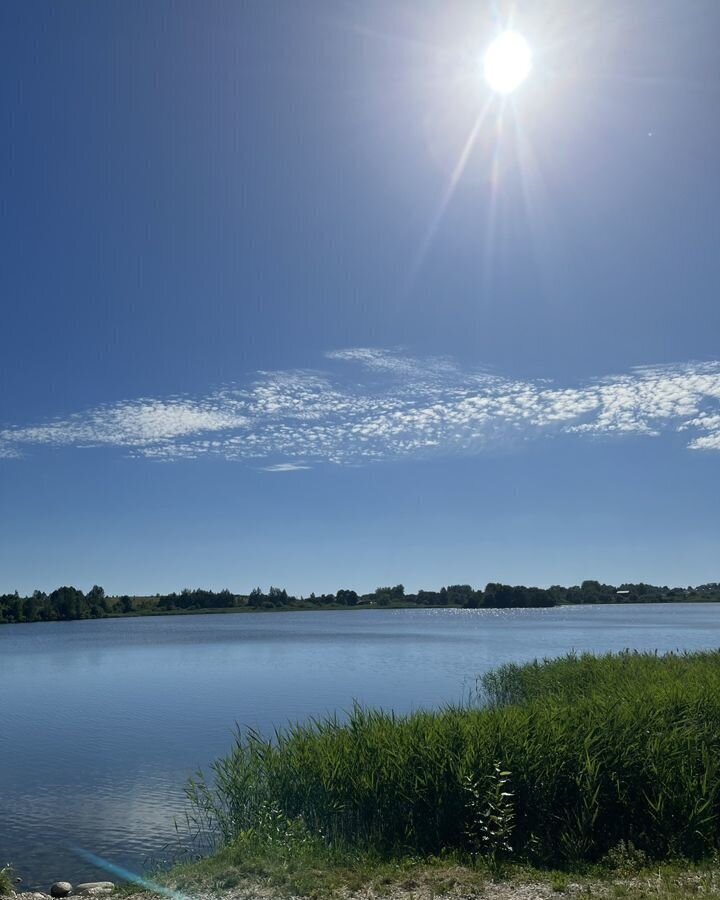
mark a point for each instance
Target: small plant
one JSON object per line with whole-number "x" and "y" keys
{"x": 559, "y": 882}
{"x": 7, "y": 882}
{"x": 492, "y": 817}
{"x": 625, "y": 858}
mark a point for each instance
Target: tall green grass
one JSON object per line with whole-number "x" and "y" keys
{"x": 599, "y": 750}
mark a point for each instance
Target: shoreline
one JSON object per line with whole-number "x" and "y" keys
{"x": 247, "y": 610}
{"x": 421, "y": 880}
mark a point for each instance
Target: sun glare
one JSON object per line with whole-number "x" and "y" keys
{"x": 507, "y": 62}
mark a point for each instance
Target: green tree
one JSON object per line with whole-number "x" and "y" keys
{"x": 96, "y": 598}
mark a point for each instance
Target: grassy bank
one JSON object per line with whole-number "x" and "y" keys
{"x": 568, "y": 763}
{"x": 231, "y": 875}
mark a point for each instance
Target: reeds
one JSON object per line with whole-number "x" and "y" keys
{"x": 593, "y": 751}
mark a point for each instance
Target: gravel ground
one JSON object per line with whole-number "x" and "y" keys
{"x": 489, "y": 891}
{"x": 648, "y": 887}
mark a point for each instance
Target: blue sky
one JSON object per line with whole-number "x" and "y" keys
{"x": 290, "y": 297}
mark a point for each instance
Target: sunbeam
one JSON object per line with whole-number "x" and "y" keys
{"x": 448, "y": 194}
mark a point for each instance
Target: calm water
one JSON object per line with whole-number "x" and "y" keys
{"x": 101, "y": 722}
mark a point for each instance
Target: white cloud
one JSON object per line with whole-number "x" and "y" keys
{"x": 394, "y": 406}
{"x": 709, "y": 442}
{"x": 134, "y": 423}
{"x": 284, "y": 467}
{"x": 396, "y": 362}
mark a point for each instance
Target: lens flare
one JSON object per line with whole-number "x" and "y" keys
{"x": 127, "y": 875}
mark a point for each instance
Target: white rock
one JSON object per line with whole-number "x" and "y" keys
{"x": 90, "y": 887}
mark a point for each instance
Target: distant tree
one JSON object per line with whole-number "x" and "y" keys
{"x": 537, "y": 598}
{"x": 167, "y": 602}
{"x": 497, "y": 596}
{"x": 461, "y": 595}
{"x": 96, "y": 599}
{"x": 12, "y": 604}
{"x": 69, "y": 603}
{"x": 594, "y": 592}
{"x": 277, "y": 596}
{"x": 385, "y": 595}
{"x": 428, "y": 598}
{"x": 225, "y": 600}
{"x": 557, "y": 594}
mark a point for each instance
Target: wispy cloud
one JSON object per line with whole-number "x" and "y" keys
{"x": 372, "y": 404}
{"x": 285, "y": 467}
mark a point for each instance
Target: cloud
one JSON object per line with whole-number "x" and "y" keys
{"x": 376, "y": 405}
{"x": 7, "y": 452}
{"x": 395, "y": 362}
{"x": 284, "y": 467}
{"x": 136, "y": 423}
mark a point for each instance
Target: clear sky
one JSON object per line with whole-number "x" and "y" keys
{"x": 290, "y": 296}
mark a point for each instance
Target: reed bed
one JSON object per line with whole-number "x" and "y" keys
{"x": 564, "y": 761}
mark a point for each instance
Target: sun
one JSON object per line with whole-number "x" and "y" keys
{"x": 507, "y": 62}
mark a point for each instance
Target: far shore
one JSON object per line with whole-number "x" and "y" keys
{"x": 250, "y": 610}
{"x": 69, "y": 603}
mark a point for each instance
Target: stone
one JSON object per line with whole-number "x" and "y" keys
{"x": 61, "y": 889}
{"x": 92, "y": 887}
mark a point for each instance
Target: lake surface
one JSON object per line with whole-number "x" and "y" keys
{"x": 102, "y": 722}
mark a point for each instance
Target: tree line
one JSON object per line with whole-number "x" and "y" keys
{"x": 70, "y": 603}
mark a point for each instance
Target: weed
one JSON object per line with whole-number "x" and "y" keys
{"x": 491, "y": 817}
{"x": 7, "y": 881}
{"x": 625, "y": 859}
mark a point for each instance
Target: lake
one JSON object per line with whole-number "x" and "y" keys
{"x": 102, "y": 722}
